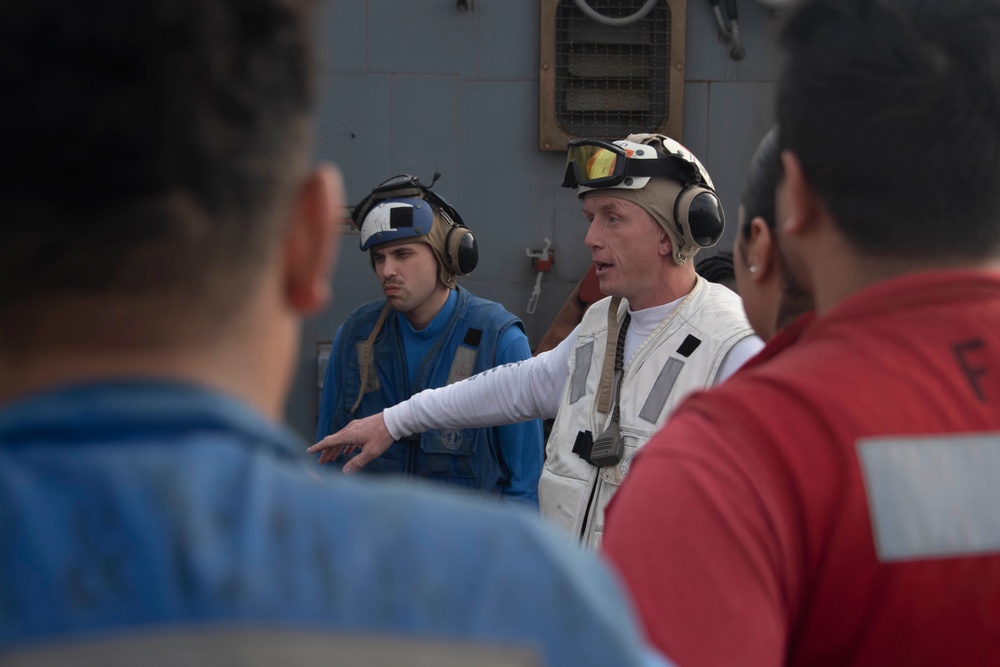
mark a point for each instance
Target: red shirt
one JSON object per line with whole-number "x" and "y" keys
{"x": 745, "y": 527}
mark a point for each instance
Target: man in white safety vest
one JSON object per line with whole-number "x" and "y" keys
{"x": 662, "y": 333}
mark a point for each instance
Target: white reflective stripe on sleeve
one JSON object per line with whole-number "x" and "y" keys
{"x": 581, "y": 369}
{"x": 933, "y": 497}
{"x": 259, "y": 647}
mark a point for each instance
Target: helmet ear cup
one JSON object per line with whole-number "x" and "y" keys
{"x": 461, "y": 250}
{"x": 699, "y": 215}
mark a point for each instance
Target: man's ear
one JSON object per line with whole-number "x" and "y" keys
{"x": 797, "y": 202}
{"x": 666, "y": 246}
{"x": 312, "y": 239}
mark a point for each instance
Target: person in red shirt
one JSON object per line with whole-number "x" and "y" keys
{"x": 834, "y": 502}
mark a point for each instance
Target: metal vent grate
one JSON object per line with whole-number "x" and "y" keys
{"x": 606, "y": 81}
{"x": 611, "y": 81}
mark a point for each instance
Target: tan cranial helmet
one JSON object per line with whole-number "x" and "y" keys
{"x": 658, "y": 174}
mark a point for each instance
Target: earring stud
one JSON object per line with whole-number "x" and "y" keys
{"x": 753, "y": 269}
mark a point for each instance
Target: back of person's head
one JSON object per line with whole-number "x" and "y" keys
{"x": 770, "y": 304}
{"x": 149, "y": 149}
{"x": 658, "y": 174}
{"x": 761, "y": 182}
{"x": 718, "y": 269}
{"x": 403, "y": 210}
{"x": 893, "y": 110}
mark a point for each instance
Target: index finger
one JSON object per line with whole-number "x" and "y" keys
{"x": 328, "y": 442}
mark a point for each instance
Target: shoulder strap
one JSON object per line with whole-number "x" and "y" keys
{"x": 366, "y": 353}
{"x": 608, "y": 367}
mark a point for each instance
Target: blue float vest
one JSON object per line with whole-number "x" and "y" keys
{"x": 468, "y": 458}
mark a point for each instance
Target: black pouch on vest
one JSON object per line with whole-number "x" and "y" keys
{"x": 584, "y": 443}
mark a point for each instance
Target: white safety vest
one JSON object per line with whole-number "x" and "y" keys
{"x": 682, "y": 355}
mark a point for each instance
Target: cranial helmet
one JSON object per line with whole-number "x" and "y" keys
{"x": 403, "y": 210}
{"x": 658, "y": 174}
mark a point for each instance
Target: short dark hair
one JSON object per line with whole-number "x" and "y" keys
{"x": 146, "y": 146}
{"x": 761, "y": 182}
{"x": 893, "y": 109}
{"x": 759, "y": 190}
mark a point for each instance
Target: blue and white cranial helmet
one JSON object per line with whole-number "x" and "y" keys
{"x": 396, "y": 219}
{"x": 403, "y": 210}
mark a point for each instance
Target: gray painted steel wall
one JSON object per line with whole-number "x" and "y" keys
{"x": 416, "y": 86}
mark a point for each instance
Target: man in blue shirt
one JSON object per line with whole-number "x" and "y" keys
{"x": 428, "y": 332}
{"x": 163, "y": 234}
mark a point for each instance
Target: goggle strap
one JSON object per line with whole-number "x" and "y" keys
{"x": 671, "y": 167}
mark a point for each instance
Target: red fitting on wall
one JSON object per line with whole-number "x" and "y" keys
{"x": 543, "y": 264}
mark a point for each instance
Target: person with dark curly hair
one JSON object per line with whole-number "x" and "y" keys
{"x": 718, "y": 269}
{"x": 834, "y": 502}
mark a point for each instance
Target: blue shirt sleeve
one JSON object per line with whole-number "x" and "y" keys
{"x": 328, "y": 398}
{"x": 521, "y": 446}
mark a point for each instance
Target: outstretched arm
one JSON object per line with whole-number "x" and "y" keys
{"x": 507, "y": 394}
{"x": 503, "y": 395}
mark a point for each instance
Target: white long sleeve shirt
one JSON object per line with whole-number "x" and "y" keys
{"x": 529, "y": 389}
